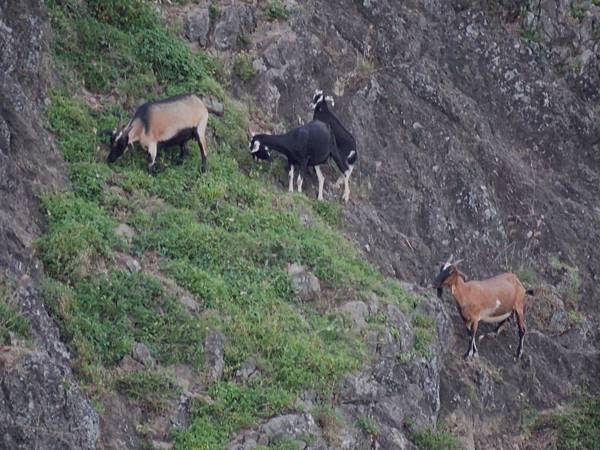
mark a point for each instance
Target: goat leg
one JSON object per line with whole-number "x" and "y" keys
{"x": 472, "y": 351}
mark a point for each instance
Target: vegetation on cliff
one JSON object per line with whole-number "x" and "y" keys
{"x": 225, "y": 236}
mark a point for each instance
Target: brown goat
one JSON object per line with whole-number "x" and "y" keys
{"x": 491, "y": 301}
{"x": 168, "y": 122}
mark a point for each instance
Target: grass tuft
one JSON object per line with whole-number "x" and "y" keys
{"x": 11, "y": 320}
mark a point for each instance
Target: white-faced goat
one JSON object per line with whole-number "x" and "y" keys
{"x": 491, "y": 301}
{"x": 345, "y": 141}
{"x": 165, "y": 123}
{"x": 308, "y": 145}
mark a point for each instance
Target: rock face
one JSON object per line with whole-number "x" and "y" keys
{"x": 40, "y": 404}
{"x": 236, "y": 21}
{"x": 478, "y": 135}
{"x": 197, "y": 26}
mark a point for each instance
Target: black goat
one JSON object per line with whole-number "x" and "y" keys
{"x": 345, "y": 141}
{"x": 309, "y": 145}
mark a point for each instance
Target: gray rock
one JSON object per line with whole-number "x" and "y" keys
{"x": 128, "y": 364}
{"x": 559, "y": 321}
{"x": 296, "y": 427}
{"x": 197, "y": 26}
{"x": 306, "y": 217}
{"x": 214, "y": 344}
{"x": 305, "y": 284}
{"x": 40, "y": 405}
{"x": 189, "y": 302}
{"x": 236, "y": 21}
{"x": 214, "y": 106}
{"x": 247, "y": 370}
{"x": 142, "y": 354}
{"x": 132, "y": 264}
{"x": 358, "y": 311}
{"x": 125, "y": 231}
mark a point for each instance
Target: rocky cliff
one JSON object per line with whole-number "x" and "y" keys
{"x": 478, "y": 133}
{"x": 41, "y": 405}
{"x": 479, "y": 136}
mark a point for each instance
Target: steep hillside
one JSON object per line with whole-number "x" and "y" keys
{"x": 216, "y": 310}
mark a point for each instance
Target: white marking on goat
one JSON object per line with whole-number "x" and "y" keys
{"x": 291, "y": 174}
{"x": 152, "y": 148}
{"x": 329, "y": 98}
{"x": 256, "y": 146}
{"x": 351, "y": 154}
{"x": 491, "y": 319}
{"x": 321, "y": 182}
{"x": 300, "y": 183}
{"x": 346, "y": 196}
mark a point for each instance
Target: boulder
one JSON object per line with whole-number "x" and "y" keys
{"x": 305, "y": 284}
{"x": 214, "y": 345}
{"x": 197, "y": 26}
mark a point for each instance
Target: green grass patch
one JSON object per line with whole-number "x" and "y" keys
{"x": 11, "y": 320}
{"x": 571, "y": 282}
{"x": 575, "y": 427}
{"x": 368, "y": 426}
{"x": 429, "y": 439}
{"x": 424, "y": 328}
{"x": 276, "y": 10}
{"x": 153, "y": 391}
{"x": 102, "y": 317}
{"x": 227, "y": 236}
{"x": 242, "y": 67}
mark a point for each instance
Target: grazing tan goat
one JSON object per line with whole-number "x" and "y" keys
{"x": 165, "y": 123}
{"x": 491, "y": 301}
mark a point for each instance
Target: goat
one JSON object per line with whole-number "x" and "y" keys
{"x": 492, "y": 301}
{"x": 308, "y": 145}
{"x": 345, "y": 141}
{"x": 165, "y": 123}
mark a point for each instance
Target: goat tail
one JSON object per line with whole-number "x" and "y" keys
{"x": 352, "y": 157}
{"x": 530, "y": 292}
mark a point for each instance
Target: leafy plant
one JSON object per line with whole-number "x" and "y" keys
{"x": 11, "y": 320}
{"x": 368, "y": 426}
{"x": 151, "y": 390}
{"x": 276, "y": 10}
{"x": 577, "y": 11}
{"x": 575, "y": 427}
{"x": 242, "y": 67}
{"x": 226, "y": 237}
{"x": 214, "y": 12}
{"x": 429, "y": 439}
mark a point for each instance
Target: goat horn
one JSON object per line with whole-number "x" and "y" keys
{"x": 450, "y": 259}
{"x": 456, "y": 263}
